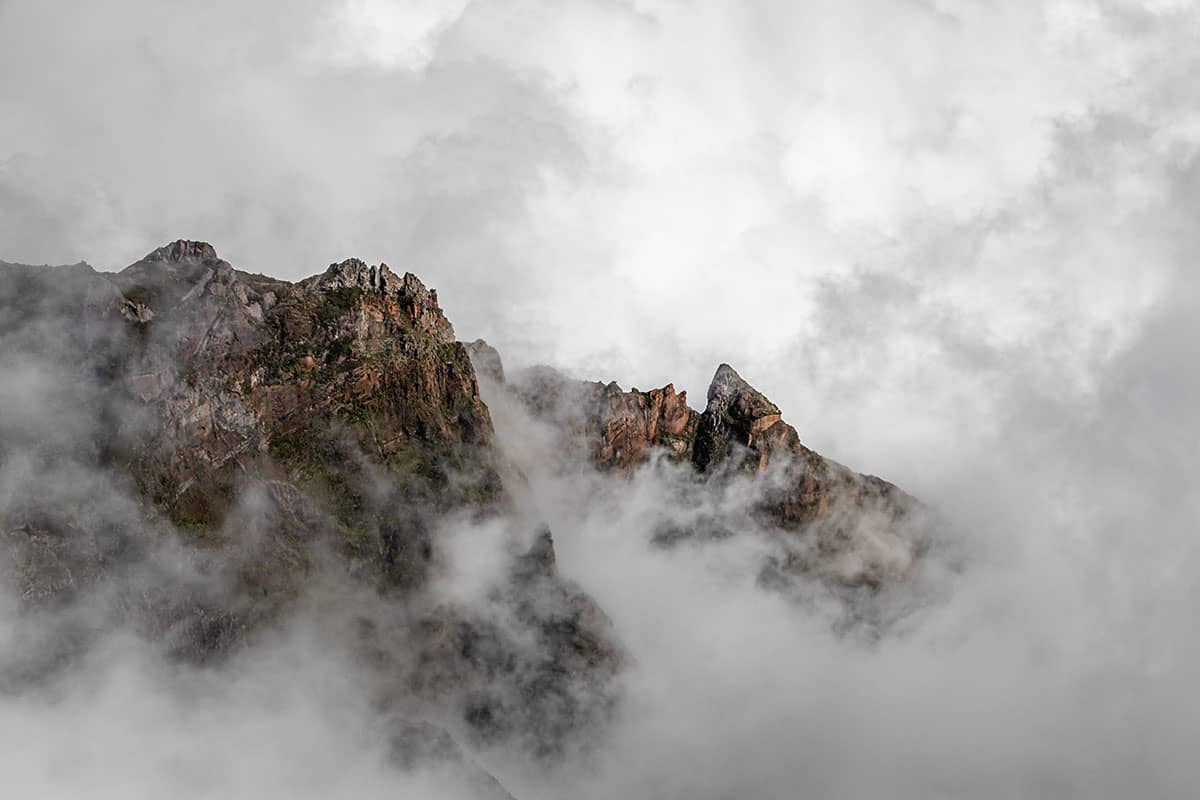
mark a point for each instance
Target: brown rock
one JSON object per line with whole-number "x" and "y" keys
{"x": 261, "y": 419}
{"x": 849, "y": 528}
{"x": 612, "y": 428}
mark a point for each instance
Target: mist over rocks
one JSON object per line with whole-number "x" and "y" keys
{"x": 196, "y": 453}
{"x": 487, "y": 360}
{"x": 244, "y": 455}
{"x": 737, "y": 414}
{"x": 616, "y": 430}
{"x": 238, "y": 504}
{"x": 828, "y": 521}
{"x": 340, "y": 414}
{"x": 952, "y": 242}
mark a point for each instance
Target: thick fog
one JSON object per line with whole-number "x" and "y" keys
{"x": 952, "y": 241}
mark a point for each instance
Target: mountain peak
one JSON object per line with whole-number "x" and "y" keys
{"x": 728, "y": 387}
{"x": 417, "y": 301}
{"x": 736, "y": 413}
{"x": 354, "y": 273}
{"x": 182, "y": 250}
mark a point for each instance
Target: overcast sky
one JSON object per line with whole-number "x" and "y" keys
{"x": 926, "y": 228}
{"x": 953, "y": 240}
{"x": 889, "y": 215}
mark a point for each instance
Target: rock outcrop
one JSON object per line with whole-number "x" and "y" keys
{"x": 200, "y": 444}
{"x": 193, "y": 451}
{"x": 828, "y": 521}
{"x": 617, "y": 429}
{"x": 851, "y": 528}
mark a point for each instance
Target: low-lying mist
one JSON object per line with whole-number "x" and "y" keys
{"x": 1027, "y": 659}
{"x": 1043, "y": 649}
{"x": 955, "y": 241}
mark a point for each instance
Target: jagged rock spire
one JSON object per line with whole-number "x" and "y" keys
{"x": 737, "y": 413}
{"x": 183, "y": 250}
{"x": 728, "y": 386}
{"x": 420, "y": 303}
{"x": 354, "y": 273}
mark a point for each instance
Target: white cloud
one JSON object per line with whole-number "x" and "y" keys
{"x": 952, "y": 240}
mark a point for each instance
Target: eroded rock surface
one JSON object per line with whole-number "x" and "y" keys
{"x": 617, "y": 429}
{"x": 827, "y": 520}
{"x": 193, "y": 451}
{"x": 202, "y": 445}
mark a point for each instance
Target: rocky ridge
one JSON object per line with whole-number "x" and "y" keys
{"x": 851, "y": 529}
{"x": 195, "y": 451}
{"x": 200, "y": 447}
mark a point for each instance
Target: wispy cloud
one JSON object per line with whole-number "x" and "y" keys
{"x": 953, "y": 241}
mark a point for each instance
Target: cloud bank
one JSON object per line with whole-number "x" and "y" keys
{"x": 953, "y": 242}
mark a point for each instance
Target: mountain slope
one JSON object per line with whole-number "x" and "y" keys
{"x": 199, "y": 454}
{"x": 829, "y": 521}
{"x": 202, "y": 449}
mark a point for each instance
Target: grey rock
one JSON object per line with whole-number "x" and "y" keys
{"x": 487, "y": 360}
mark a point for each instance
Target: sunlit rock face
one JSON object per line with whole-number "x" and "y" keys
{"x": 615, "y": 429}
{"x": 827, "y": 521}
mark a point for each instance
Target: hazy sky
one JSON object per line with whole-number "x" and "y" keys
{"x": 890, "y": 216}
{"x": 953, "y": 240}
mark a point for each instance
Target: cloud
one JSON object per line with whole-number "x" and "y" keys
{"x": 294, "y": 720}
{"x": 618, "y": 174}
{"x": 952, "y": 241}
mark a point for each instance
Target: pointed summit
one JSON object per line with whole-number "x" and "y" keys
{"x": 182, "y": 250}
{"x": 728, "y": 387}
{"x": 737, "y": 415}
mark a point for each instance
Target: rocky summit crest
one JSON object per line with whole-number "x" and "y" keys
{"x": 269, "y": 434}
{"x": 851, "y": 529}
{"x": 353, "y": 273}
{"x": 737, "y": 415}
{"x": 182, "y": 250}
{"x": 408, "y": 292}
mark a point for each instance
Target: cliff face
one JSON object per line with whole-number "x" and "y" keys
{"x": 617, "y": 430}
{"x": 303, "y": 383}
{"x": 829, "y": 521}
{"x": 258, "y": 432}
{"x": 196, "y": 451}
